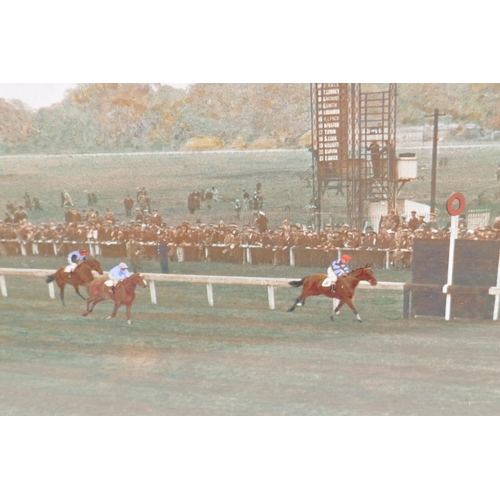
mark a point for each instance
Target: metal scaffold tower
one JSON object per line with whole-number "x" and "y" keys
{"x": 354, "y": 146}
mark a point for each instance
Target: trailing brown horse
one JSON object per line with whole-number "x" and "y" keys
{"x": 123, "y": 295}
{"x": 80, "y": 276}
{"x": 344, "y": 288}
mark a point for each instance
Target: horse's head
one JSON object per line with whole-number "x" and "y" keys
{"x": 138, "y": 279}
{"x": 367, "y": 275}
{"x": 94, "y": 265}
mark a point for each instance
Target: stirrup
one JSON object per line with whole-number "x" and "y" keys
{"x": 332, "y": 288}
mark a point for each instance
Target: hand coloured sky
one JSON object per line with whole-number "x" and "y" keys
{"x": 39, "y": 95}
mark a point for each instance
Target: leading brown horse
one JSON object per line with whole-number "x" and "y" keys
{"x": 344, "y": 288}
{"x": 123, "y": 295}
{"x": 80, "y": 276}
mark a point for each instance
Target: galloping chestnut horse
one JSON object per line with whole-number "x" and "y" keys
{"x": 81, "y": 275}
{"x": 344, "y": 288}
{"x": 124, "y": 294}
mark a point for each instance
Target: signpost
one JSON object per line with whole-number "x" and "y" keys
{"x": 454, "y": 212}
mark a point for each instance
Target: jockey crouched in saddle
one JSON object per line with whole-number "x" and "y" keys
{"x": 74, "y": 258}
{"x": 117, "y": 274}
{"x": 338, "y": 268}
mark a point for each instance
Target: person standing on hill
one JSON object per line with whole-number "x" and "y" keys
{"x": 37, "y": 204}
{"x": 237, "y": 209}
{"x": 246, "y": 200}
{"x": 128, "y": 203}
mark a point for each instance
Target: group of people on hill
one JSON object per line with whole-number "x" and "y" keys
{"x": 199, "y": 196}
{"x": 16, "y": 213}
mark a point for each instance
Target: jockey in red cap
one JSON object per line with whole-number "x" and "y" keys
{"x": 74, "y": 258}
{"x": 337, "y": 269}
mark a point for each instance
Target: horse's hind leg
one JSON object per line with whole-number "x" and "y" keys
{"x": 61, "y": 293}
{"x": 337, "y": 309}
{"x": 91, "y": 302}
{"x": 89, "y": 309}
{"x": 298, "y": 302}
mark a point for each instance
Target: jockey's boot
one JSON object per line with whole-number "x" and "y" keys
{"x": 70, "y": 274}
{"x": 332, "y": 288}
{"x": 113, "y": 289}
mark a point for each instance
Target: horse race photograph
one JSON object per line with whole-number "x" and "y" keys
{"x": 250, "y": 249}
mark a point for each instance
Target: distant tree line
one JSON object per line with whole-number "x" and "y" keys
{"x": 148, "y": 117}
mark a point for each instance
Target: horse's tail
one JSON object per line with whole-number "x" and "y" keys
{"x": 50, "y": 278}
{"x": 297, "y": 283}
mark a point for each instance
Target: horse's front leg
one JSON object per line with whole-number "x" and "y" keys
{"x": 351, "y": 305}
{"x": 115, "y": 310}
{"x": 90, "y": 306}
{"x": 127, "y": 312}
{"x": 337, "y": 309}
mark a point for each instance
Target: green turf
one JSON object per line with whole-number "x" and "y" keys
{"x": 183, "y": 357}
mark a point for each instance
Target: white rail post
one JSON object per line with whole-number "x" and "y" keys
{"x": 271, "y": 295}
{"x": 387, "y": 259}
{"x": 23, "y": 249}
{"x": 497, "y": 297}
{"x": 451, "y": 257}
{"x": 454, "y": 213}
{"x": 210, "y": 294}
{"x": 152, "y": 291}
{"x": 292, "y": 256}
{"x": 180, "y": 254}
{"x": 3, "y": 286}
{"x": 52, "y": 291}
{"x": 249, "y": 255}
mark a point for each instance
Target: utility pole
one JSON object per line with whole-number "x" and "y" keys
{"x": 434, "y": 158}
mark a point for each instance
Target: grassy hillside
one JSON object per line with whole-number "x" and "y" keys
{"x": 169, "y": 179}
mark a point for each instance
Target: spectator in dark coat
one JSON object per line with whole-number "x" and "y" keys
{"x": 162, "y": 255}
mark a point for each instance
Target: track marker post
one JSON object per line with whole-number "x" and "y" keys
{"x": 454, "y": 213}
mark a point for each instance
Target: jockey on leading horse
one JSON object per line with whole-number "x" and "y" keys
{"x": 337, "y": 269}
{"x": 74, "y": 258}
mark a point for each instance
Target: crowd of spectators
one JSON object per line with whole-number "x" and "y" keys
{"x": 396, "y": 234}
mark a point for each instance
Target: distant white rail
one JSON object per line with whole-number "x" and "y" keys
{"x": 209, "y": 281}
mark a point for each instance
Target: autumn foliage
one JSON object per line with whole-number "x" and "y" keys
{"x": 145, "y": 116}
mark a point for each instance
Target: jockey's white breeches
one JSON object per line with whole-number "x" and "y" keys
{"x": 71, "y": 267}
{"x": 331, "y": 279}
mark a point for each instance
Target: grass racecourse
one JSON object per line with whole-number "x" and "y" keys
{"x": 183, "y": 357}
